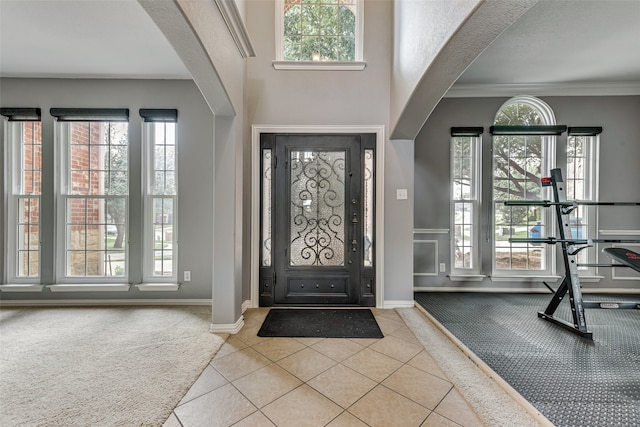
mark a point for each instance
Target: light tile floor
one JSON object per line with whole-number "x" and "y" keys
{"x": 255, "y": 382}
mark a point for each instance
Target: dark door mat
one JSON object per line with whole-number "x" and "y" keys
{"x": 320, "y": 323}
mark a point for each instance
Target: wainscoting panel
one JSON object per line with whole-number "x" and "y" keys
{"x": 427, "y": 243}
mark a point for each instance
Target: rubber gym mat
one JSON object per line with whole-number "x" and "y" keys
{"x": 320, "y": 323}
{"x": 571, "y": 380}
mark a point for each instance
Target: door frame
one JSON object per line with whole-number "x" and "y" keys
{"x": 256, "y": 130}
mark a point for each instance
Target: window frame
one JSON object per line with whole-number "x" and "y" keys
{"x": 14, "y": 143}
{"x": 474, "y": 199}
{"x": 281, "y": 64}
{"x": 148, "y": 179}
{"x": 591, "y": 179}
{"x": 63, "y": 146}
{"x": 548, "y": 161}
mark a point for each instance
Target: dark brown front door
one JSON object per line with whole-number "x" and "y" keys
{"x": 318, "y": 227}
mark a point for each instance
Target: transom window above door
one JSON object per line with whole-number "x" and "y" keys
{"x": 319, "y": 34}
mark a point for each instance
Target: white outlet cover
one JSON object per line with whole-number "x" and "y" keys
{"x": 401, "y": 194}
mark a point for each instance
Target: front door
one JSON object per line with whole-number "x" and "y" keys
{"x": 317, "y": 219}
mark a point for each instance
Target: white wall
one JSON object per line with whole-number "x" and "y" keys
{"x": 434, "y": 42}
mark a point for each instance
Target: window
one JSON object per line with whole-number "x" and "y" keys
{"x": 23, "y": 158}
{"x": 522, "y": 153}
{"x": 465, "y": 179}
{"x": 581, "y": 184}
{"x": 160, "y": 195}
{"x": 321, "y": 33}
{"x": 93, "y": 195}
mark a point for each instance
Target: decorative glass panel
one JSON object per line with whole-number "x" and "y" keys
{"x": 368, "y": 207}
{"x": 266, "y": 208}
{"x": 317, "y": 183}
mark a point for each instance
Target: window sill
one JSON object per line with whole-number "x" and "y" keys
{"x": 93, "y": 287}
{"x": 590, "y": 279}
{"x": 319, "y": 65}
{"x": 467, "y": 277}
{"x": 21, "y": 288}
{"x": 517, "y": 278}
{"x": 154, "y": 287}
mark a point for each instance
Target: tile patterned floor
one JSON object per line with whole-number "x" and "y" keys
{"x": 256, "y": 382}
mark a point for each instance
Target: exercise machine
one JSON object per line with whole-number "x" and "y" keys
{"x": 570, "y": 249}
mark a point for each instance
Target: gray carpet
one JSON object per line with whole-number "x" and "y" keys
{"x": 100, "y": 366}
{"x": 570, "y": 380}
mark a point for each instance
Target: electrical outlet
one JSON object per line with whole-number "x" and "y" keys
{"x": 187, "y": 276}
{"x": 443, "y": 267}
{"x": 401, "y": 194}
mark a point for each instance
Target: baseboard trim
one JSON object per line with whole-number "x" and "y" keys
{"x": 246, "y": 305}
{"x": 398, "y": 304}
{"x": 613, "y": 291}
{"x": 481, "y": 290}
{"x": 102, "y": 302}
{"x": 227, "y": 328}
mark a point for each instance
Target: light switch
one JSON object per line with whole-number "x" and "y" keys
{"x": 401, "y": 194}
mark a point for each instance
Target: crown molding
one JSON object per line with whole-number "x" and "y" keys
{"x": 544, "y": 89}
{"x": 237, "y": 29}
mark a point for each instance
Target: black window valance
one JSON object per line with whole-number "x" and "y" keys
{"x": 585, "y": 131}
{"x": 528, "y": 130}
{"x": 466, "y": 131}
{"x": 21, "y": 114}
{"x": 91, "y": 114}
{"x": 159, "y": 115}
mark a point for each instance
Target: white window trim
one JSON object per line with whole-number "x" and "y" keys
{"x": 89, "y": 287}
{"x": 79, "y": 283}
{"x": 158, "y": 287}
{"x": 13, "y": 161}
{"x": 549, "y": 144}
{"x": 592, "y": 181}
{"x": 475, "y": 200}
{"x": 467, "y": 277}
{"x": 148, "y": 170}
{"x": 280, "y": 64}
{"x": 21, "y": 287}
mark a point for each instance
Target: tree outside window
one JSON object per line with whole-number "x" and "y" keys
{"x": 320, "y": 30}
{"x": 519, "y": 162}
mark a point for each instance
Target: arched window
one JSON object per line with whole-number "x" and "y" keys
{"x": 523, "y": 151}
